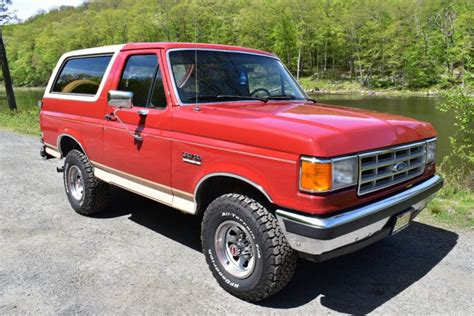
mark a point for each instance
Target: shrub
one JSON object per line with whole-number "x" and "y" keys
{"x": 458, "y": 166}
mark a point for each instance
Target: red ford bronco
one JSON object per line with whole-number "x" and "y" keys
{"x": 227, "y": 132}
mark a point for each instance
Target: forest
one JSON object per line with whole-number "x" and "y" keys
{"x": 395, "y": 44}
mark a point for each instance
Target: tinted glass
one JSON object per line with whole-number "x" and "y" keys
{"x": 138, "y": 77}
{"x": 158, "y": 97}
{"x": 230, "y": 75}
{"x": 82, "y": 75}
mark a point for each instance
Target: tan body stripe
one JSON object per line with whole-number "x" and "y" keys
{"x": 148, "y": 183}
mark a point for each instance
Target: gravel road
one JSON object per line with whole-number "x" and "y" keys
{"x": 143, "y": 257}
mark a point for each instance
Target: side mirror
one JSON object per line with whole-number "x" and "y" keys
{"x": 120, "y": 99}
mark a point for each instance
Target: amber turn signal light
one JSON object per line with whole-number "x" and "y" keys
{"x": 315, "y": 176}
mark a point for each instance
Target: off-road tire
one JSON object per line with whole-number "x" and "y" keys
{"x": 96, "y": 193}
{"x": 275, "y": 260}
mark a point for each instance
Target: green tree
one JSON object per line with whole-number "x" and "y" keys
{"x": 458, "y": 166}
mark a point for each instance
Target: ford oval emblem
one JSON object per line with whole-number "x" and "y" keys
{"x": 400, "y": 166}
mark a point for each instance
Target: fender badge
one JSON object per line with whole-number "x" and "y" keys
{"x": 192, "y": 158}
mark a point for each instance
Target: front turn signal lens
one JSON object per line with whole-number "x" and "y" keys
{"x": 315, "y": 176}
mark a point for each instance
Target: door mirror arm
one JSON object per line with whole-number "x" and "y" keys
{"x": 136, "y": 137}
{"x": 122, "y": 100}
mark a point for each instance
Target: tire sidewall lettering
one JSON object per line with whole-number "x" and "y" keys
{"x": 220, "y": 273}
{"x": 66, "y": 171}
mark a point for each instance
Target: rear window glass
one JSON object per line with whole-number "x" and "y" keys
{"x": 82, "y": 75}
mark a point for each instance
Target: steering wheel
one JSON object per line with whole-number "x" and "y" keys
{"x": 260, "y": 90}
{"x": 73, "y": 85}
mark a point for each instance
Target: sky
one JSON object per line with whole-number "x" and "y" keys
{"x": 26, "y": 8}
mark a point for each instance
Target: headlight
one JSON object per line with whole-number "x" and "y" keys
{"x": 326, "y": 175}
{"x": 344, "y": 172}
{"x": 430, "y": 150}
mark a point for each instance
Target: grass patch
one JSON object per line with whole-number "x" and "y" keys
{"x": 330, "y": 85}
{"x": 24, "y": 121}
{"x": 450, "y": 208}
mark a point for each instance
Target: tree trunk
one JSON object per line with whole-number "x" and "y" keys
{"x": 359, "y": 66}
{"x": 317, "y": 62}
{"x": 6, "y": 75}
{"x": 288, "y": 57}
{"x": 333, "y": 61}
{"x": 325, "y": 55}
{"x": 350, "y": 67}
{"x": 299, "y": 64}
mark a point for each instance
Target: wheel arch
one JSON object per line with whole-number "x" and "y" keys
{"x": 67, "y": 142}
{"x": 216, "y": 184}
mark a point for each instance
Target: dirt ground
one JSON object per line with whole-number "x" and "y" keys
{"x": 143, "y": 257}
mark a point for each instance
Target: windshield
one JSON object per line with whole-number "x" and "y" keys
{"x": 224, "y": 76}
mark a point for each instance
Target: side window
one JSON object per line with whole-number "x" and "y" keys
{"x": 81, "y": 75}
{"x": 138, "y": 76}
{"x": 158, "y": 97}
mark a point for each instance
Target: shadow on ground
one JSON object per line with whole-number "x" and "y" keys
{"x": 356, "y": 283}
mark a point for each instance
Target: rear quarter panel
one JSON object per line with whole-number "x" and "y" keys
{"x": 78, "y": 116}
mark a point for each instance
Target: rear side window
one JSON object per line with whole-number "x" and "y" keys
{"x": 82, "y": 75}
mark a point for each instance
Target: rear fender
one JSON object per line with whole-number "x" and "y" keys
{"x": 73, "y": 134}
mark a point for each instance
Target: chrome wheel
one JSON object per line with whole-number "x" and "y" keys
{"x": 235, "y": 249}
{"x": 75, "y": 182}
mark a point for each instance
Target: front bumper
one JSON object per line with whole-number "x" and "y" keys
{"x": 321, "y": 238}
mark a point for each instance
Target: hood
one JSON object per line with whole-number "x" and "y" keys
{"x": 302, "y": 128}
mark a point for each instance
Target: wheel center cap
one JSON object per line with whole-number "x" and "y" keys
{"x": 234, "y": 250}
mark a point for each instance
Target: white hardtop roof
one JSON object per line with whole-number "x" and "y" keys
{"x": 95, "y": 50}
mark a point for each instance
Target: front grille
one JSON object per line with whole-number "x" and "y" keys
{"x": 384, "y": 168}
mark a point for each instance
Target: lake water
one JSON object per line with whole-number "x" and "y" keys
{"x": 24, "y": 98}
{"x": 418, "y": 107}
{"x": 422, "y": 108}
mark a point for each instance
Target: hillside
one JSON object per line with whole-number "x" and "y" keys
{"x": 399, "y": 43}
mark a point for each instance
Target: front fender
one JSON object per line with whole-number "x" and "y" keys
{"x": 238, "y": 171}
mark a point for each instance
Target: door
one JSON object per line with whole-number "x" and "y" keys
{"x": 137, "y": 140}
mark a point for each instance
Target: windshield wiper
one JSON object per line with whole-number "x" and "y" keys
{"x": 288, "y": 97}
{"x": 281, "y": 97}
{"x": 219, "y": 97}
{"x": 242, "y": 97}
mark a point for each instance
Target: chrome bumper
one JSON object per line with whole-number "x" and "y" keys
{"x": 318, "y": 236}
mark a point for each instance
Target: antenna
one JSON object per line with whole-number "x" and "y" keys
{"x": 196, "y": 106}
